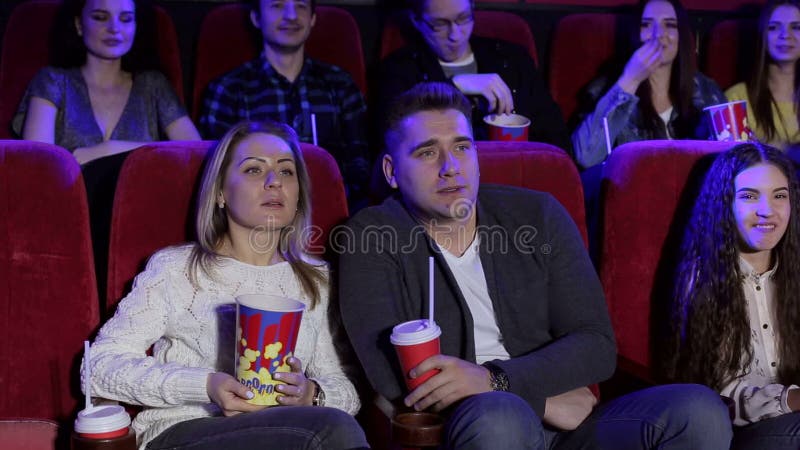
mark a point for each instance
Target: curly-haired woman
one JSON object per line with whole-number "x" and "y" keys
{"x": 737, "y": 294}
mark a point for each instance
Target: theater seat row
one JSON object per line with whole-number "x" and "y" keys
{"x": 49, "y": 296}
{"x": 581, "y": 43}
{"x": 48, "y": 291}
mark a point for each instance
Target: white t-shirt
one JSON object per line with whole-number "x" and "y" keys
{"x": 665, "y": 116}
{"x": 468, "y": 272}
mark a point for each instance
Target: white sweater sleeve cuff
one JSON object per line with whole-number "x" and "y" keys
{"x": 188, "y": 385}
{"x": 785, "y": 399}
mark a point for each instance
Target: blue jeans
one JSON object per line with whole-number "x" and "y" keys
{"x": 663, "y": 417}
{"x": 777, "y": 433}
{"x": 297, "y": 427}
{"x": 676, "y": 416}
{"x": 493, "y": 420}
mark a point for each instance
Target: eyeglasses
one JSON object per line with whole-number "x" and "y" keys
{"x": 441, "y": 26}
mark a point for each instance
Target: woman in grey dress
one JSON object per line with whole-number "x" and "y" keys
{"x": 96, "y": 102}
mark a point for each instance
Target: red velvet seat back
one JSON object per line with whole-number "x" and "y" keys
{"x": 538, "y": 166}
{"x": 727, "y": 57}
{"x": 25, "y": 50}
{"x": 581, "y": 43}
{"x": 501, "y": 25}
{"x": 48, "y": 293}
{"x": 155, "y": 200}
{"x": 643, "y": 183}
{"x": 227, "y": 39}
{"x": 28, "y": 434}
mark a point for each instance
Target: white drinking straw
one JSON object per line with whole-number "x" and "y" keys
{"x": 314, "y": 128}
{"x": 430, "y": 290}
{"x": 608, "y": 136}
{"x": 87, "y": 373}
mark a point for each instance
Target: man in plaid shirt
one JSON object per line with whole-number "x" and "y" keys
{"x": 285, "y": 85}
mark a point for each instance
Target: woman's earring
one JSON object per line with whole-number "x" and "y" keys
{"x": 221, "y": 204}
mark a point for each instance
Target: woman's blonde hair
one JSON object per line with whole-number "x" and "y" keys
{"x": 212, "y": 222}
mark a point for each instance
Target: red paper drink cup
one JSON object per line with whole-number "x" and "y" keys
{"x": 507, "y": 127}
{"x": 416, "y": 341}
{"x": 729, "y": 121}
{"x": 103, "y": 422}
{"x": 266, "y": 335}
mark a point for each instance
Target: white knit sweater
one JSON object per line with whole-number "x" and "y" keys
{"x": 192, "y": 332}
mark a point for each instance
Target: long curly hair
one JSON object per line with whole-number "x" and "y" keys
{"x": 710, "y": 342}
{"x": 681, "y": 84}
{"x": 758, "y": 91}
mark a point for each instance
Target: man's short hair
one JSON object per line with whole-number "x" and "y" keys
{"x": 255, "y": 5}
{"x": 417, "y": 7}
{"x": 423, "y": 97}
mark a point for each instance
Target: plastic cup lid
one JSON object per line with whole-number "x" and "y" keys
{"x": 414, "y": 332}
{"x": 102, "y": 419}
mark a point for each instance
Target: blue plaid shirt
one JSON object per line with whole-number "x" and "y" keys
{"x": 256, "y": 91}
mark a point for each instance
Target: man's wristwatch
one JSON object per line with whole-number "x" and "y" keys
{"x": 319, "y": 395}
{"x": 498, "y": 379}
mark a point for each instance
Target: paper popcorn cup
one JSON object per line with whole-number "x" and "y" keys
{"x": 507, "y": 127}
{"x": 266, "y": 335}
{"x": 729, "y": 121}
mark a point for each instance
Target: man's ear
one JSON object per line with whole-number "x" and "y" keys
{"x": 254, "y": 19}
{"x": 388, "y": 170}
{"x": 313, "y": 20}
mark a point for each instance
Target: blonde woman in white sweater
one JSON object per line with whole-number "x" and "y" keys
{"x": 253, "y": 209}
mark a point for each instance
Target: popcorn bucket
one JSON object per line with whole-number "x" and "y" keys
{"x": 266, "y": 335}
{"x": 729, "y": 121}
{"x": 507, "y": 127}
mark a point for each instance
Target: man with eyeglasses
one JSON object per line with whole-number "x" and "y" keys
{"x": 287, "y": 86}
{"x": 497, "y": 76}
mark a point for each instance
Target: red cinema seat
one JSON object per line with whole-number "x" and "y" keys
{"x": 28, "y": 434}
{"x": 502, "y": 25}
{"x": 26, "y": 49}
{"x": 730, "y": 51}
{"x": 48, "y": 293}
{"x": 580, "y": 45}
{"x": 228, "y": 39}
{"x": 155, "y": 199}
{"x": 537, "y": 166}
{"x": 646, "y": 198}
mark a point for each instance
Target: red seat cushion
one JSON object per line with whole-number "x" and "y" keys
{"x": 580, "y": 45}
{"x": 728, "y": 59}
{"x": 28, "y": 434}
{"x": 48, "y": 293}
{"x": 643, "y": 185}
